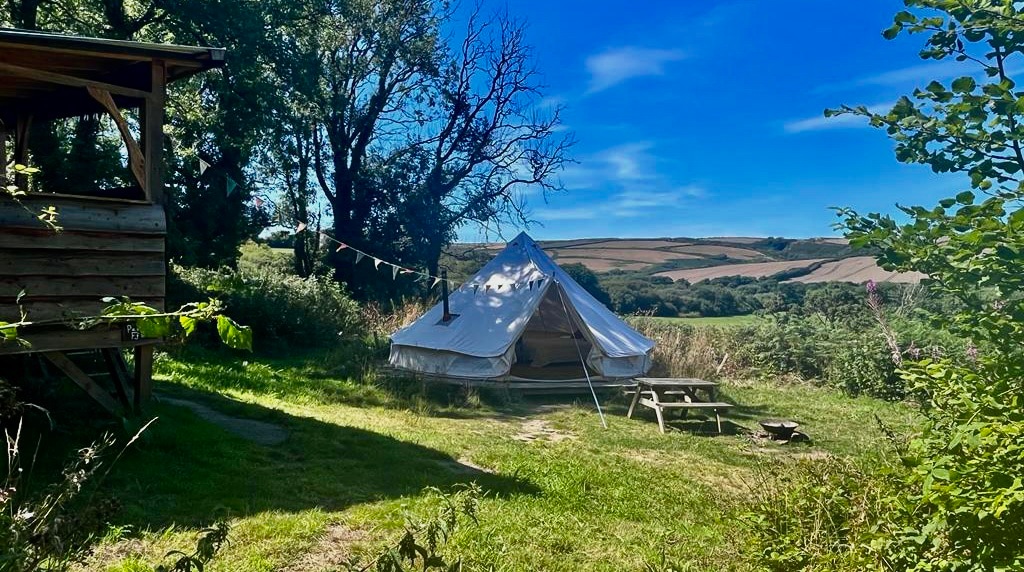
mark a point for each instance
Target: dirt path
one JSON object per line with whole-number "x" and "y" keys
{"x": 259, "y": 432}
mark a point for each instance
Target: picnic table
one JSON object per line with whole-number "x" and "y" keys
{"x": 661, "y": 393}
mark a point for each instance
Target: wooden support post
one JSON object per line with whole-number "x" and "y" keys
{"x": 83, "y": 380}
{"x": 136, "y": 159}
{"x": 143, "y": 376}
{"x": 21, "y": 131}
{"x": 119, "y": 375}
{"x": 152, "y": 122}
{"x": 3, "y": 152}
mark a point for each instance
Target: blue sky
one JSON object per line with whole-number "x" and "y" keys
{"x": 705, "y": 118}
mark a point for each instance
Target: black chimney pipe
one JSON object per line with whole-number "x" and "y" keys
{"x": 447, "y": 316}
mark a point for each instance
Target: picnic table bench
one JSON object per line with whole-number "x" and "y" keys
{"x": 661, "y": 393}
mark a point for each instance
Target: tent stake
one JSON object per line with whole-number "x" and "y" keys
{"x": 579, "y": 352}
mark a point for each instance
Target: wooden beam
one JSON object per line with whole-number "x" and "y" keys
{"x": 119, "y": 375}
{"x": 136, "y": 159}
{"x": 64, "y": 339}
{"x": 143, "y": 376}
{"x": 3, "y": 153}
{"x": 21, "y": 131}
{"x": 63, "y": 79}
{"x": 83, "y": 380}
{"x": 153, "y": 131}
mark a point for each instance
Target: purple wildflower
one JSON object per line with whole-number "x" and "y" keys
{"x": 972, "y": 352}
{"x": 871, "y": 287}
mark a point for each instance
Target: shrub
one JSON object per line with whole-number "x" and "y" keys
{"x": 682, "y": 350}
{"x": 815, "y": 515}
{"x": 283, "y": 310}
{"x": 854, "y": 358}
{"x": 255, "y": 257}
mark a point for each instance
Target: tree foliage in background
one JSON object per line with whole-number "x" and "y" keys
{"x": 220, "y": 116}
{"x": 966, "y": 510}
{"x": 406, "y": 135}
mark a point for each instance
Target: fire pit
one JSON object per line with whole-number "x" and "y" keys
{"x": 779, "y": 429}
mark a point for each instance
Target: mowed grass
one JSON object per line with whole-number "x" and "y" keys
{"x": 707, "y": 321}
{"x": 562, "y": 493}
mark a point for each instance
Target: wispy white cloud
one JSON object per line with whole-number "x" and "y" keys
{"x": 616, "y": 65}
{"x": 627, "y": 180}
{"x": 820, "y": 122}
{"x": 571, "y": 213}
{"x": 916, "y": 74}
{"x": 636, "y": 199}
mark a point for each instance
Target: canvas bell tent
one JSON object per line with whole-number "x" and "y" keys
{"x": 522, "y": 318}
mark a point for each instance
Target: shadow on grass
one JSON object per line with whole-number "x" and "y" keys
{"x": 188, "y": 471}
{"x": 327, "y": 380}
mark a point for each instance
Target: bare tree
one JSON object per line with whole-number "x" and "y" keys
{"x": 373, "y": 56}
{"x": 491, "y": 138}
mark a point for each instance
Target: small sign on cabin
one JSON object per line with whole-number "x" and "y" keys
{"x": 129, "y": 333}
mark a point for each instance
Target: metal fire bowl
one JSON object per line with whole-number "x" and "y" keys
{"x": 780, "y": 429}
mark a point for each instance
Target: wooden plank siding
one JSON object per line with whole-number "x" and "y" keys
{"x": 104, "y": 248}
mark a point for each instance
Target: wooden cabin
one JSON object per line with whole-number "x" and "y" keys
{"x": 111, "y": 241}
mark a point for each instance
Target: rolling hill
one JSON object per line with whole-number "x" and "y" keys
{"x": 697, "y": 259}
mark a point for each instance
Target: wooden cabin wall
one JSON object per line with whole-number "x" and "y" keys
{"x": 104, "y": 248}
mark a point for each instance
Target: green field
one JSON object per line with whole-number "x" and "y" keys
{"x": 707, "y": 321}
{"x": 561, "y": 492}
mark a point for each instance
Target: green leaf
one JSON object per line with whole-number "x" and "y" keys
{"x": 188, "y": 324}
{"x": 233, "y": 335}
{"x": 964, "y": 84}
{"x": 159, "y": 327}
{"x": 965, "y": 198}
{"x": 892, "y": 31}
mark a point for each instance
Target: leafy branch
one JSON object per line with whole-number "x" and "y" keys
{"x": 151, "y": 323}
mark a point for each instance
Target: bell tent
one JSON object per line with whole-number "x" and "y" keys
{"x": 522, "y": 318}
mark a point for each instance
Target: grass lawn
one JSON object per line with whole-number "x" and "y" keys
{"x": 708, "y": 321}
{"x": 562, "y": 493}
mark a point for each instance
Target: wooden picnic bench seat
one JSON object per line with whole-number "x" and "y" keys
{"x": 649, "y": 393}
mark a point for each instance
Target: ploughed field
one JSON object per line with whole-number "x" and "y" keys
{"x": 698, "y": 259}
{"x": 311, "y": 468}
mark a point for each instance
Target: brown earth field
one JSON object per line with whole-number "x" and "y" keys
{"x": 709, "y": 250}
{"x": 856, "y": 269}
{"x": 626, "y": 243}
{"x": 626, "y": 254}
{"x": 751, "y": 269}
{"x": 826, "y": 259}
{"x": 604, "y": 265}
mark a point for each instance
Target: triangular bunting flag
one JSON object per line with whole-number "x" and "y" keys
{"x": 341, "y": 246}
{"x": 498, "y": 289}
{"x": 231, "y": 185}
{"x": 406, "y": 271}
{"x": 300, "y": 228}
{"x": 376, "y": 263}
{"x": 487, "y": 288}
{"x": 476, "y": 288}
{"x": 258, "y": 202}
{"x": 531, "y": 284}
{"x": 436, "y": 282}
{"x": 203, "y": 166}
{"x": 359, "y": 256}
{"x": 394, "y": 271}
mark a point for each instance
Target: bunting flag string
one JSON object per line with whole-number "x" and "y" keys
{"x": 397, "y": 269}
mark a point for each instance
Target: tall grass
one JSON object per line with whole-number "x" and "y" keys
{"x": 682, "y": 350}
